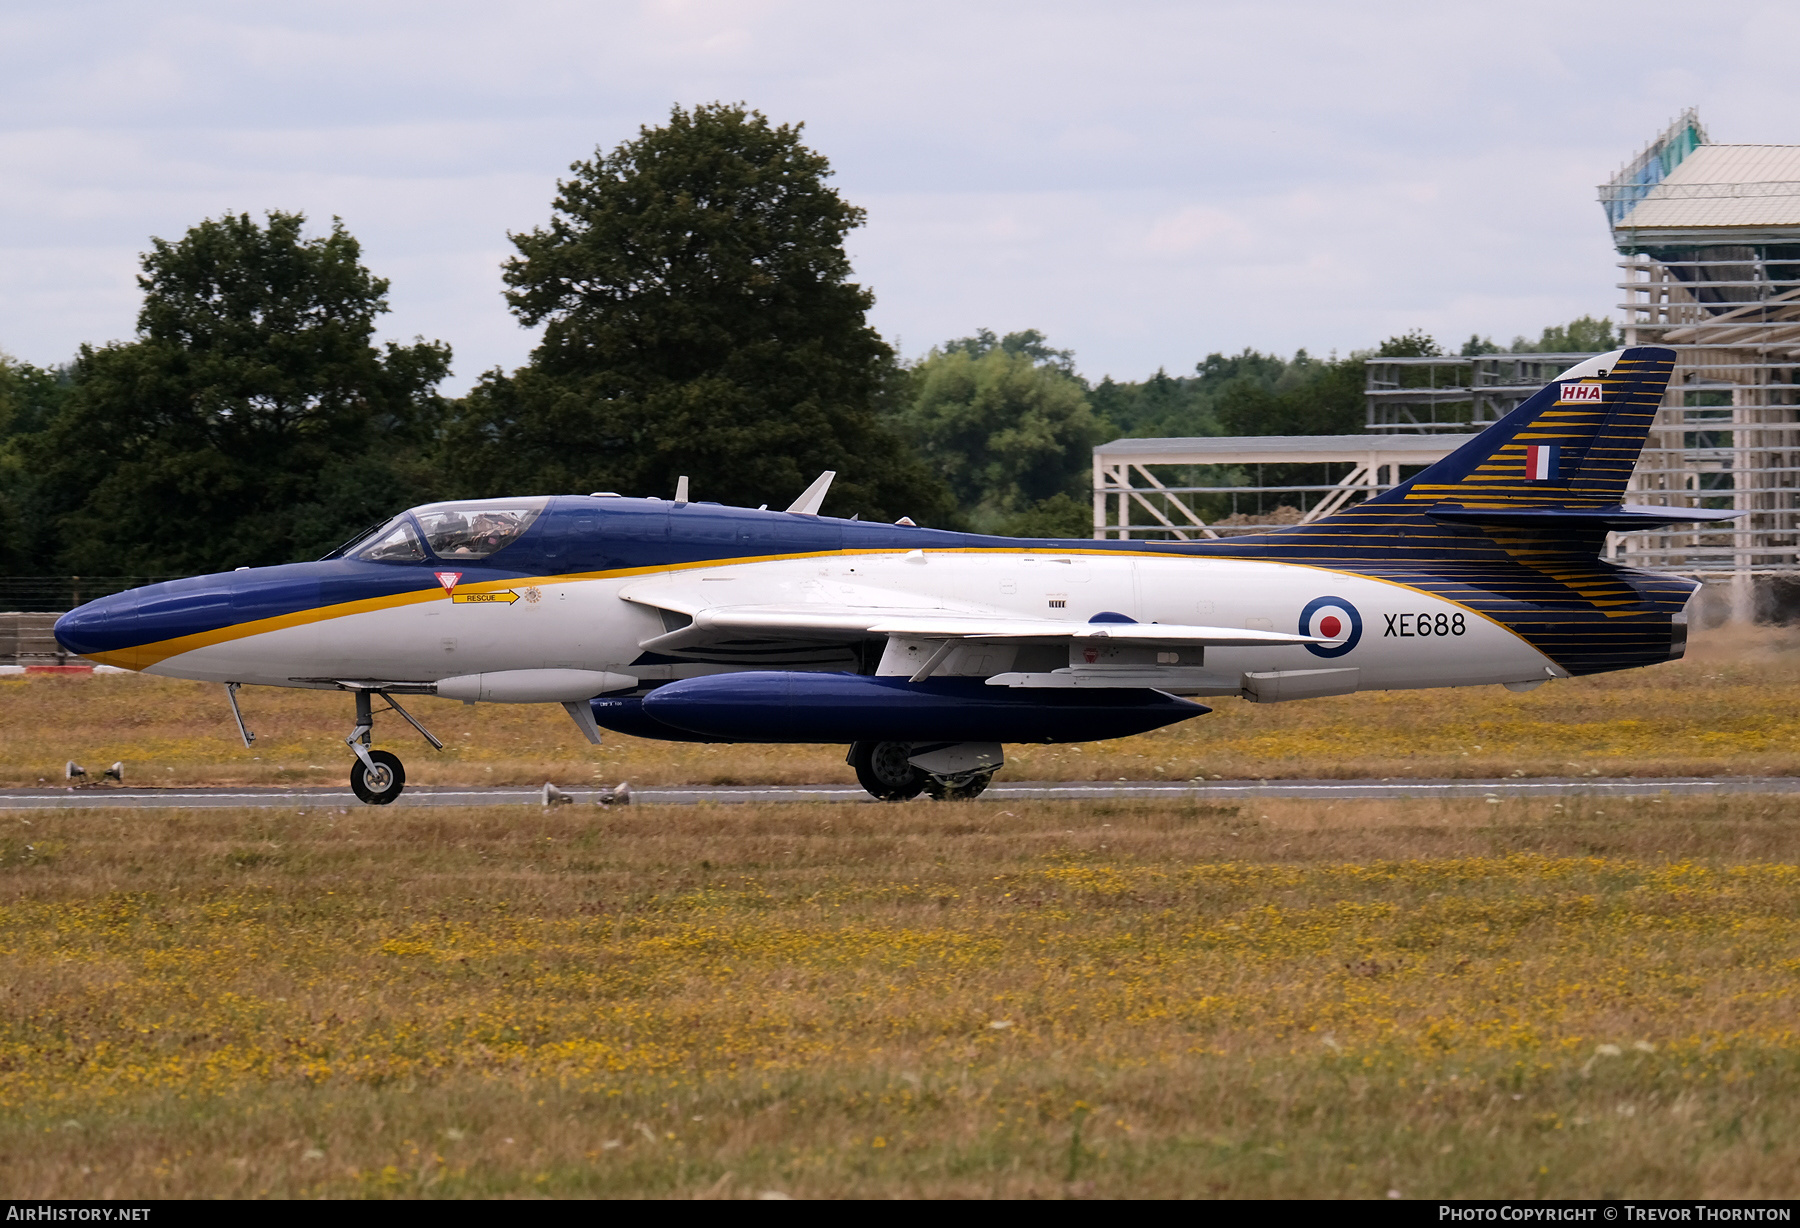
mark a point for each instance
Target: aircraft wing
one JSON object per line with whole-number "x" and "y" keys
{"x": 1020, "y": 630}
{"x": 720, "y": 625}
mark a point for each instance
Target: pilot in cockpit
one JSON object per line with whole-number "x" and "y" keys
{"x": 451, "y": 536}
{"x": 493, "y": 530}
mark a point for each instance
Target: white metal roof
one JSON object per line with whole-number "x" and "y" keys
{"x": 1724, "y": 186}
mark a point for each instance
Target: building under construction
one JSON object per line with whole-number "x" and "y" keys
{"x": 1709, "y": 240}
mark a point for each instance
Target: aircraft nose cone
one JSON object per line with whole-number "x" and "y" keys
{"x": 102, "y": 628}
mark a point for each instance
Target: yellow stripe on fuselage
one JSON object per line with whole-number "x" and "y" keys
{"x": 142, "y": 656}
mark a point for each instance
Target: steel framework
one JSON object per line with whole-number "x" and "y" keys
{"x": 1728, "y": 434}
{"x": 1130, "y": 501}
{"x": 1710, "y": 236}
{"x": 1455, "y": 394}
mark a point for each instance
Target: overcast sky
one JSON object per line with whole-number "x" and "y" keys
{"x": 1146, "y": 182}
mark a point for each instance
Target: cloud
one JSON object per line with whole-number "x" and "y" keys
{"x": 1198, "y": 228}
{"x": 1146, "y": 181}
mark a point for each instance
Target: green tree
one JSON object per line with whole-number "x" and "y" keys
{"x": 1006, "y": 431}
{"x": 1061, "y": 515}
{"x": 1029, "y": 343}
{"x": 1166, "y": 405}
{"x": 28, "y": 396}
{"x": 251, "y": 421}
{"x": 1216, "y": 371}
{"x": 1584, "y": 335}
{"x": 1309, "y": 397}
{"x": 1416, "y": 343}
{"x": 698, "y": 319}
{"x": 1163, "y": 405}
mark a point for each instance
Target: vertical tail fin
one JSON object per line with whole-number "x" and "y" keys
{"x": 1511, "y": 524}
{"x": 1571, "y": 446}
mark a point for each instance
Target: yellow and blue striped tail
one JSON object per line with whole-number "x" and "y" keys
{"x": 1512, "y": 524}
{"x": 1561, "y": 461}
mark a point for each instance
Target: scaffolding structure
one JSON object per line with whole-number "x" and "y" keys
{"x": 1131, "y": 502}
{"x": 1710, "y": 240}
{"x": 1467, "y": 393}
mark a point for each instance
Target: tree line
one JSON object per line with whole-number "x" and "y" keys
{"x": 698, "y": 318}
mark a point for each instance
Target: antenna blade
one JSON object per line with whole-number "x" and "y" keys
{"x": 681, "y": 489}
{"x": 813, "y": 496}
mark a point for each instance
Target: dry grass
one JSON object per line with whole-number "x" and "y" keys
{"x": 1727, "y": 709}
{"x": 983, "y": 999}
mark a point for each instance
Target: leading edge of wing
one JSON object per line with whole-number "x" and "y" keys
{"x": 779, "y": 621}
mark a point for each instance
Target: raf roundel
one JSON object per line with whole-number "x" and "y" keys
{"x": 1332, "y": 619}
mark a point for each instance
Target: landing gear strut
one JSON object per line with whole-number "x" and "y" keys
{"x": 888, "y": 771}
{"x": 378, "y": 776}
{"x": 958, "y": 788}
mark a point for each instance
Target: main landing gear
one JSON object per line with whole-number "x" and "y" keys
{"x": 378, "y": 776}
{"x": 893, "y": 771}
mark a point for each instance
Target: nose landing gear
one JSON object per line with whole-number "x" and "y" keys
{"x": 379, "y": 780}
{"x": 378, "y": 776}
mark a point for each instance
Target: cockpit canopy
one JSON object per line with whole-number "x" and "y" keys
{"x": 452, "y": 532}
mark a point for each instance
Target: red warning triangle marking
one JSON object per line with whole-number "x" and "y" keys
{"x": 448, "y": 579}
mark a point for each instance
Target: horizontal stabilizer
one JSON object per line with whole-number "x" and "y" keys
{"x": 1621, "y": 517}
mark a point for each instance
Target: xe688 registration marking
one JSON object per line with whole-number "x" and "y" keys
{"x": 1423, "y": 626}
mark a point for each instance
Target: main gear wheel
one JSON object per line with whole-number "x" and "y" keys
{"x": 883, "y": 769}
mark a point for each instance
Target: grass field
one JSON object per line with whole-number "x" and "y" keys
{"x": 1513, "y": 999}
{"x": 1728, "y": 708}
{"x": 983, "y": 999}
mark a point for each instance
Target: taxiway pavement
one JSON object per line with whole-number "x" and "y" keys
{"x": 1196, "y": 791}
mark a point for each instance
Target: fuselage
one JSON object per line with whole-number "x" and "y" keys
{"x": 1410, "y": 604}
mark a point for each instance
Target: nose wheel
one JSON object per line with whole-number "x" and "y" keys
{"x": 380, "y": 780}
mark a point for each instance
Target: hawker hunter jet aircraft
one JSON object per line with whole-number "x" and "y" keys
{"x": 926, "y": 650}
